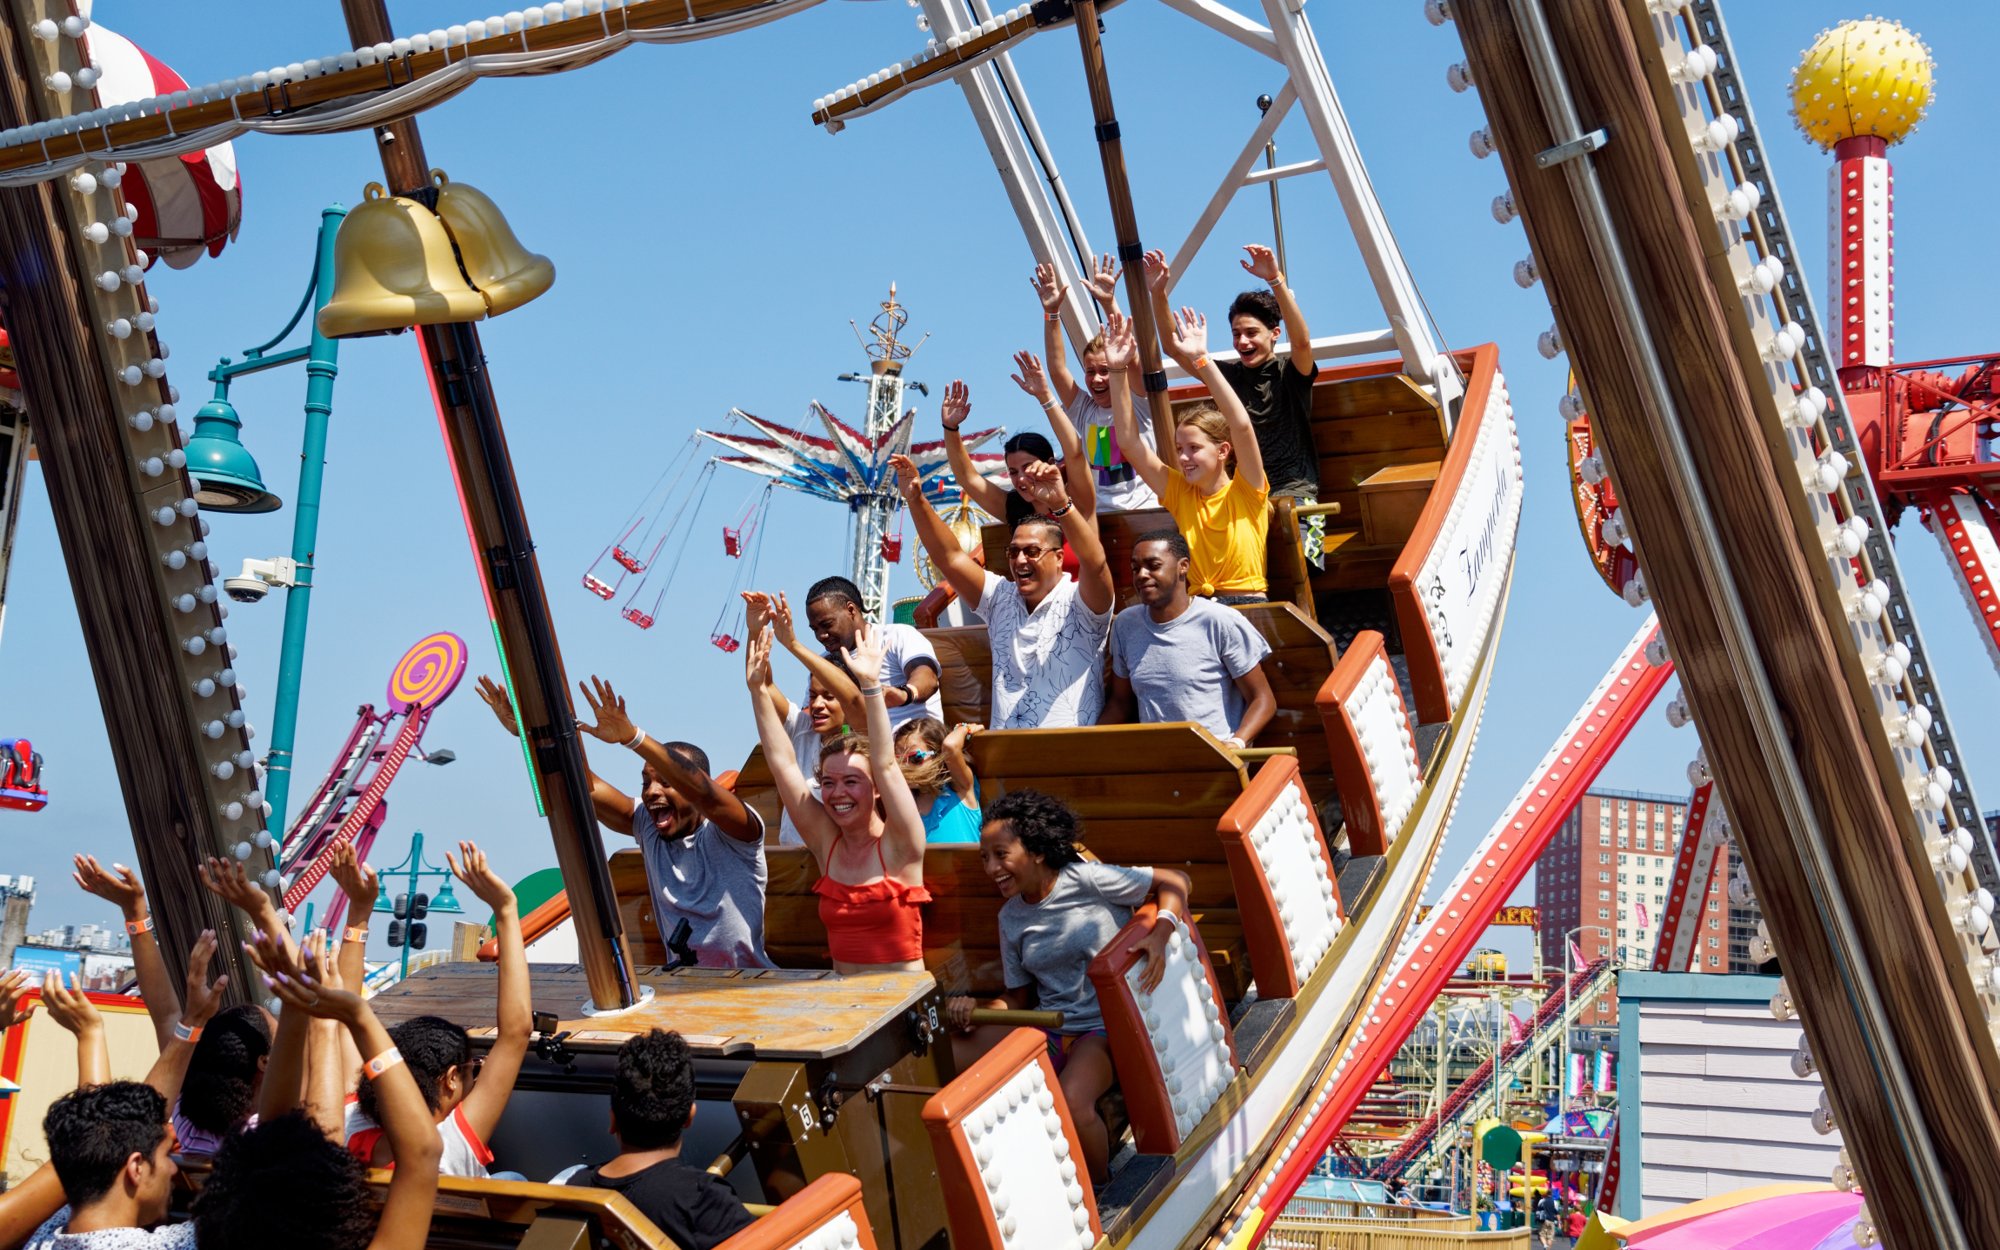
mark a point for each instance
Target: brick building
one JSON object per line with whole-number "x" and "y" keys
{"x": 1607, "y": 874}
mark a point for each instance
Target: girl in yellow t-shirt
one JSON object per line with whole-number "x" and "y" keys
{"x": 1219, "y": 497}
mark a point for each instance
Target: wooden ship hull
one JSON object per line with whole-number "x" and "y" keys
{"x": 806, "y": 1076}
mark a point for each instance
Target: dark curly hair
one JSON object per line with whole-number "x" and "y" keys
{"x": 1045, "y": 825}
{"x": 92, "y": 1131}
{"x": 1259, "y": 304}
{"x": 431, "y": 1046}
{"x": 283, "y": 1183}
{"x": 653, "y": 1093}
{"x": 221, "y": 1080}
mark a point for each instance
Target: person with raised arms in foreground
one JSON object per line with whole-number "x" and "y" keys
{"x": 863, "y": 828}
{"x": 1060, "y": 911}
{"x": 1178, "y": 658}
{"x": 703, "y": 846}
{"x": 1047, "y": 633}
{"x": 1218, "y": 495}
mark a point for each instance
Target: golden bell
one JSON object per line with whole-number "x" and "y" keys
{"x": 393, "y": 268}
{"x": 506, "y": 273}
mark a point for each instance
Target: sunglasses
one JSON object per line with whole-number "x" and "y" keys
{"x": 918, "y": 757}
{"x": 1028, "y": 553}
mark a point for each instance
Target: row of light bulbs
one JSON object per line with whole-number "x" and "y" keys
{"x": 1006, "y": 22}
{"x": 188, "y": 577}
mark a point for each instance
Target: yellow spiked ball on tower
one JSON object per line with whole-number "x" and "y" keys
{"x": 1872, "y": 77}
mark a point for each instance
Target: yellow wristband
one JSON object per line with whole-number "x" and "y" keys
{"x": 381, "y": 1063}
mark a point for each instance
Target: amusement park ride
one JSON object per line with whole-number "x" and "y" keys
{"x": 1738, "y": 484}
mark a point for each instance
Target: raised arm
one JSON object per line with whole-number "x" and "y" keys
{"x": 835, "y": 678}
{"x": 361, "y": 886}
{"x": 227, "y": 878}
{"x": 1191, "y": 332}
{"x": 959, "y": 568}
{"x": 959, "y": 765}
{"x": 714, "y": 802}
{"x": 122, "y": 887}
{"x": 1050, "y": 290}
{"x": 71, "y": 1008}
{"x": 1121, "y": 349}
{"x": 1263, "y": 265}
{"x": 952, "y": 411}
{"x": 904, "y": 834}
{"x": 515, "y": 1009}
{"x": 758, "y": 611}
{"x": 202, "y": 1001}
{"x": 815, "y": 827}
{"x": 1076, "y": 465}
{"x": 612, "y": 805}
{"x": 1159, "y": 282}
{"x": 1093, "y": 579}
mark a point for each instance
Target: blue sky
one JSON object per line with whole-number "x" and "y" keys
{"x": 711, "y": 246}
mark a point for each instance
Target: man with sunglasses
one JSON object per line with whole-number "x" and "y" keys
{"x": 1047, "y": 633}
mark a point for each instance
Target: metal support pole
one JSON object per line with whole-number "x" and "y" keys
{"x": 1124, "y": 220}
{"x": 322, "y": 367}
{"x": 1277, "y": 214}
{"x": 470, "y": 419}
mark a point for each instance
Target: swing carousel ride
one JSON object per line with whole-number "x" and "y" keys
{"x": 1623, "y": 139}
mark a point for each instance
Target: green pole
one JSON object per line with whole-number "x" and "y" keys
{"x": 416, "y": 862}
{"x": 322, "y": 366}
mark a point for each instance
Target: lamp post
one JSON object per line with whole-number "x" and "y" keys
{"x": 413, "y": 871}
{"x": 216, "y": 460}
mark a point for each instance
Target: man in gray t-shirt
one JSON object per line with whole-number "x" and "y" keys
{"x": 1179, "y": 658}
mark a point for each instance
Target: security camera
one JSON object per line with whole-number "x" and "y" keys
{"x": 259, "y": 576}
{"x": 246, "y": 589}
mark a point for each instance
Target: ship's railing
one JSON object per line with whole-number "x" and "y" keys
{"x": 1173, "y": 1047}
{"x": 1374, "y": 749}
{"x": 1288, "y": 1234}
{"x": 1448, "y": 583}
{"x": 1285, "y": 896}
{"x": 1009, "y": 1162}
{"x": 1307, "y": 1207}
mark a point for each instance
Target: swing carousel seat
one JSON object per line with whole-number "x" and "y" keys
{"x": 598, "y": 587}
{"x": 630, "y": 562}
{"x": 892, "y": 547}
{"x": 728, "y": 642}
{"x": 20, "y": 784}
{"x": 641, "y": 619}
{"x": 732, "y": 542}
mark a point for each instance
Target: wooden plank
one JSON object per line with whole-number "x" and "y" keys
{"x": 1778, "y": 587}
{"x": 1375, "y": 395}
{"x": 1128, "y": 749}
{"x": 1416, "y": 431}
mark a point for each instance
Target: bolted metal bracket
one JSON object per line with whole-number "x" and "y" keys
{"x": 1582, "y": 144}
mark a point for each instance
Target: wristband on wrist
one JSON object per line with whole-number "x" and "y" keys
{"x": 1051, "y": 316}
{"x": 381, "y": 1063}
{"x": 1062, "y": 512}
{"x": 354, "y": 933}
{"x": 638, "y": 739}
{"x": 870, "y": 692}
{"x": 1201, "y": 362}
{"x": 143, "y": 924}
{"x": 187, "y": 1032}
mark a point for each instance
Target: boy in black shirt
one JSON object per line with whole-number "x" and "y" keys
{"x": 652, "y": 1104}
{"x": 1276, "y": 392}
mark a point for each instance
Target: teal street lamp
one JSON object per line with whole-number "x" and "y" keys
{"x": 226, "y": 477}
{"x": 407, "y": 929}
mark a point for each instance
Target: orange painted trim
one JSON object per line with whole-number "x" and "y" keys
{"x": 1360, "y": 803}
{"x": 805, "y": 1213}
{"x": 1257, "y": 907}
{"x": 1147, "y": 1103}
{"x": 14, "y": 1049}
{"x": 1427, "y": 676}
{"x": 944, "y": 1115}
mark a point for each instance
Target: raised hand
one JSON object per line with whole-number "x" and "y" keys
{"x": 123, "y": 889}
{"x": 1042, "y": 483}
{"x": 1121, "y": 342}
{"x": 494, "y": 696}
{"x": 13, "y": 988}
{"x": 201, "y": 1000}
{"x": 608, "y": 707}
{"x": 471, "y": 867}
{"x": 1031, "y": 378}
{"x": 757, "y": 610}
{"x": 302, "y": 982}
{"x": 355, "y": 879}
{"x": 909, "y": 479}
{"x": 70, "y": 1006}
{"x": 1103, "y": 281}
{"x": 1191, "y": 333}
{"x": 955, "y": 406}
{"x": 1047, "y": 289}
{"x": 864, "y": 658}
{"x": 781, "y": 623}
{"x": 757, "y": 660}
{"x": 955, "y": 740}
{"x": 1159, "y": 276}
{"x": 1261, "y": 264}
{"x": 227, "y": 878}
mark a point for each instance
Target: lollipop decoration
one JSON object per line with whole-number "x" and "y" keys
{"x": 428, "y": 672}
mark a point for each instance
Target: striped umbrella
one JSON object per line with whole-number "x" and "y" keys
{"x": 187, "y": 204}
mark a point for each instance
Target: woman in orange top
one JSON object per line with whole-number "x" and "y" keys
{"x": 1219, "y": 496}
{"x": 863, "y": 827}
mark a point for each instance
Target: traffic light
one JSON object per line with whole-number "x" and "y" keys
{"x": 408, "y": 926}
{"x": 417, "y": 934}
{"x": 395, "y": 933}
{"x": 420, "y": 906}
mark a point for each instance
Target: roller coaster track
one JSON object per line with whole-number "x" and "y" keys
{"x": 1558, "y": 1011}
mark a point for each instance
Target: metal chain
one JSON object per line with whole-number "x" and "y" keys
{"x": 1881, "y": 554}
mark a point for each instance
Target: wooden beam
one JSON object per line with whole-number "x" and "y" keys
{"x": 1858, "y": 947}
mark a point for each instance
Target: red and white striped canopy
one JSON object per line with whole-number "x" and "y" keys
{"x": 187, "y": 204}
